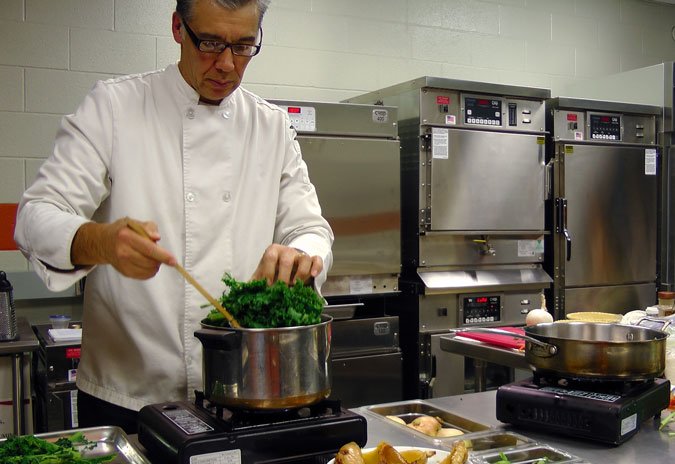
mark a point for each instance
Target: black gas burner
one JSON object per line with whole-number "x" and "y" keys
{"x": 178, "y": 432}
{"x": 239, "y": 418}
{"x": 609, "y": 412}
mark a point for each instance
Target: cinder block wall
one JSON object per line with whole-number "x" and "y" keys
{"x": 54, "y": 50}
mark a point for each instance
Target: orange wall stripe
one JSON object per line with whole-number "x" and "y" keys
{"x": 7, "y": 224}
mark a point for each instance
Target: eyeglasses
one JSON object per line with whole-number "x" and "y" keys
{"x": 215, "y": 46}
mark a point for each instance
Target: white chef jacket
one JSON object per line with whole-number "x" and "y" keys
{"x": 222, "y": 183}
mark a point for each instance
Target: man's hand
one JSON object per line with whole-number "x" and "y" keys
{"x": 133, "y": 255}
{"x": 288, "y": 265}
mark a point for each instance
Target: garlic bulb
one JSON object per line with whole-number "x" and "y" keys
{"x": 539, "y": 316}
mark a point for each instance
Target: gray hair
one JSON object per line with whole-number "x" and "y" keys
{"x": 184, "y": 7}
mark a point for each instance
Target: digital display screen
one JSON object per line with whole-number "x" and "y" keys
{"x": 294, "y": 110}
{"x": 605, "y": 127}
{"x": 483, "y": 111}
{"x": 481, "y": 309}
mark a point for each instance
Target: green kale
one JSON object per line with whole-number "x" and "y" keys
{"x": 258, "y": 305}
{"x": 29, "y": 449}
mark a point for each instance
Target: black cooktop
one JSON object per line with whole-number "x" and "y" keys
{"x": 609, "y": 412}
{"x": 176, "y": 432}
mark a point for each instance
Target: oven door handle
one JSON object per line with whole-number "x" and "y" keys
{"x": 561, "y": 225}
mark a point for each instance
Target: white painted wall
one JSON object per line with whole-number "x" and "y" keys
{"x": 54, "y": 50}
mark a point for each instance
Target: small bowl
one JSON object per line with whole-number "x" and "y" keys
{"x": 59, "y": 321}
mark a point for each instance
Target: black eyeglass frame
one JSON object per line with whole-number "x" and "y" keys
{"x": 222, "y": 46}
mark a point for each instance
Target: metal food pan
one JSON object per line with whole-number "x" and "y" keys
{"x": 489, "y": 442}
{"x": 527, "y": 455}
{"x": 108, "y": 440}
{"x": 411, "y": 410}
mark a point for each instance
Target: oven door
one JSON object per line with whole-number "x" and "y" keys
{"x": 488, "y": 181}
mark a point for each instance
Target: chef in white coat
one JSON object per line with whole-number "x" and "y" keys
{"x": 214, "y": 175}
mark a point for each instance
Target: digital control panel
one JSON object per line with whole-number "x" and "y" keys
{"x": 483, "y": 111}
{"x": 478, "y": 309}
{"x": 605, "y": 127}
{"x": 303, "y": 118}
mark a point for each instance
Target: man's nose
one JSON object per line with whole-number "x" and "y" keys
{"x": 225, "y": 60}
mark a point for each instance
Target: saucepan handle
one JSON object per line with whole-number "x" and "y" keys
{"x": 219, "y": 339}
{"x": 541, "y": 349}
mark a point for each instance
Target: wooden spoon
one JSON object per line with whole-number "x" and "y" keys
{"x": 136, "y": 227}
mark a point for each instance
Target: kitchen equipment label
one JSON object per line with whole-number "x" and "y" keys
{"x": 73, "y": 409}
{"x": 650, "y": 161}
{"x": 221, "y": 457}
{"x": 186, "y": 421}
{"x": 362, "y": 285}
{"x": 439, "y": 143}
{"x": 628, "y": 424}
{"x": 530, "y": 247}
{"x": 380, "y": 116}
{"x": 583, "y": 394}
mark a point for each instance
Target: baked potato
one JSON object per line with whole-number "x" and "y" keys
{"x": 384, "y": 453}
{"x": 431, "y": 426}
{"x": 349, "y": 454}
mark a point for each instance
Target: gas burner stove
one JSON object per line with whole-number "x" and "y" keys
{"x": 180, "y": 432}
{"x": 605, "y": 411}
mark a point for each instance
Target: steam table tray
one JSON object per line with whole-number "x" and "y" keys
{"x": 108, "y": 440}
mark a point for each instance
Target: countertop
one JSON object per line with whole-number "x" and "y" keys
{"x": 649, "y": 445}
{"x": 26, "y": 342}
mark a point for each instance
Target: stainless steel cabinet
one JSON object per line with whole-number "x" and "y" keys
{"x": 606, "y": 164}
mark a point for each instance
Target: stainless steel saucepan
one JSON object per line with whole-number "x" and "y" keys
{"x": 591, "y": 350}
{"x": 276, "y": 368}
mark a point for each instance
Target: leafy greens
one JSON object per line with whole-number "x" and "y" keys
{"x": 29, "y": 449}
{"x": 256, "y": 305}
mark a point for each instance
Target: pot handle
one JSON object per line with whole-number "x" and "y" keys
{"x": 219, "y": 339}
{"x": 538, "y": 348}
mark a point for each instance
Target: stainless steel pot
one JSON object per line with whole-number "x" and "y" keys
{"x": 274, "y": 368}
{"x": 592, "y": 350}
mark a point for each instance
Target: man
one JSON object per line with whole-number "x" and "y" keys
{"x": 212, "y": 173}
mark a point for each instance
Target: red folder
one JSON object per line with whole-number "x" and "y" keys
{"x": 502, "y": 341}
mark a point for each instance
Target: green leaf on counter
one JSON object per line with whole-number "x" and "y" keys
{"x": 667, "y": 420}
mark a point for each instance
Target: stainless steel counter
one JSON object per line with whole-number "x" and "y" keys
{"x": 648, "y": 446}
{"x": 26, "y": 343}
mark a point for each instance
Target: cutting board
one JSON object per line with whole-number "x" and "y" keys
{"x": 66, "y": 335}
{"x": 502, "y": 341}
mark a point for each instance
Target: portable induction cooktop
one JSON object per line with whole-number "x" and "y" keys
{"x": 605, "y": 411}
{"x": 184, "y": 432}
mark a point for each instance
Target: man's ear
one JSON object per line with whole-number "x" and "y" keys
{"x": 176, "y": 26}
